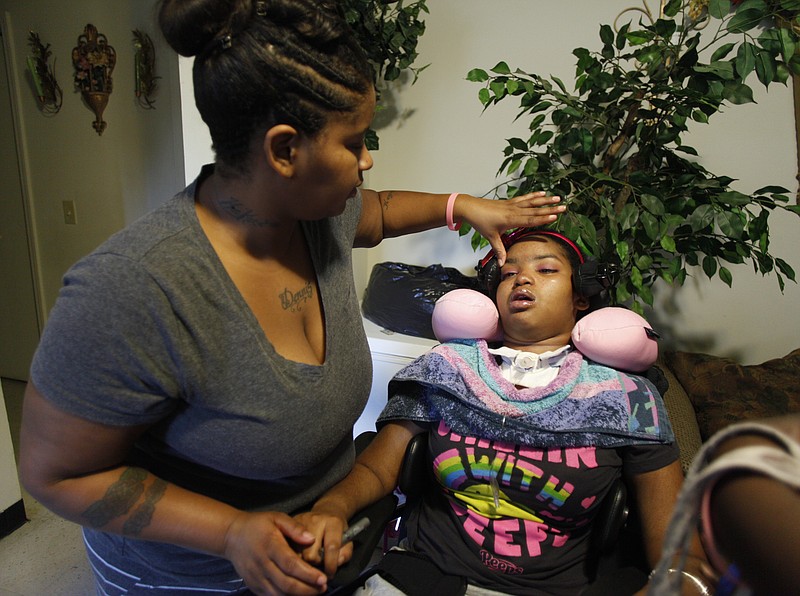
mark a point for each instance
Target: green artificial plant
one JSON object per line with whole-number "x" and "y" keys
{"x": 613, "y": 146}
{"x": 388, "y": 31}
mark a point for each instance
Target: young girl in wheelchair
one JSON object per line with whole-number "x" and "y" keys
{"x": 524, "y": 441}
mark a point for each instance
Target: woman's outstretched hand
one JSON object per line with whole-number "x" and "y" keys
{"x": 491, "y": 218}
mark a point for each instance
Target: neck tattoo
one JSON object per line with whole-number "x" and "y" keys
{"x": 293, "y": 301}
{"x": 235, "y": 209}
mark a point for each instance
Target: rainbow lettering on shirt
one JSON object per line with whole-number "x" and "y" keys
{"x": 481, "y": 468}
{"x": 504, "y": 476}
{"x": 530, "y": 473}
{"x": 556, "y": 497}
{"x": 449, "y": 468}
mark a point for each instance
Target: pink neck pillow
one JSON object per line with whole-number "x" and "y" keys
{"x": 616, "y": 337}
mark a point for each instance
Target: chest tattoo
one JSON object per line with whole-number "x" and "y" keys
{"x": 293, "y": 301}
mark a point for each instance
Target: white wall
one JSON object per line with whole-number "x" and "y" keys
{"x": 196, "y": 139}
{"x": 443, "y": 142}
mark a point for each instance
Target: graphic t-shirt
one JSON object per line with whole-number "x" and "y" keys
{"x": 515, "y": 518}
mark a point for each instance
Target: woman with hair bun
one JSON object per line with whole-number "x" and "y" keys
{"x": 201, "y": 372}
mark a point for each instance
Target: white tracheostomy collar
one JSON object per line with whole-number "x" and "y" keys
{"x": 528, "y": 369}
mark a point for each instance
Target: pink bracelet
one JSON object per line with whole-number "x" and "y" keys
{"x": 450, "y": 223}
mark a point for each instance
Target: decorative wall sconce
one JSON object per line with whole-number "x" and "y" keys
{"x": 43, "y": 74}
{"x": 144, "y": 64}
{"x": 94, "y": 61}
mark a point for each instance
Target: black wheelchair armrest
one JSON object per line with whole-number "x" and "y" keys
{"x": 414, "y": 473}
{"x": 365, "y": 543}
{"x": 611, "y": 517}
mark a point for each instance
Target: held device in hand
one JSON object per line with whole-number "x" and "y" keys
{"x": 350, "y": 533}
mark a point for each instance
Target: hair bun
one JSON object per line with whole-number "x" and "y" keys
{"x": 190, "y": 25}
{"x": 317, "y": 21}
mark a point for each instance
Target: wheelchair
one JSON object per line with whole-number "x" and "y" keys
{"x": 615, "y": 540}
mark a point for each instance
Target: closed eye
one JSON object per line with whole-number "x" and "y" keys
{"x": 356, "y": 144}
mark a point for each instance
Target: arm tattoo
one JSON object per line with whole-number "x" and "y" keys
{"x": 387, "y": 200}
{"x": 119, "y": 498}
{"x": 294, "y": 301}
{"x": 143, "y": 514}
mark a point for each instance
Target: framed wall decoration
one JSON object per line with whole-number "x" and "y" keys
{"x": 94, "y": 60}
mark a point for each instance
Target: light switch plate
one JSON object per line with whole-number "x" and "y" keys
{"x": 70, "y": 216}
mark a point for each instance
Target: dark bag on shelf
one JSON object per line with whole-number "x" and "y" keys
{"x": 401, "y": 297}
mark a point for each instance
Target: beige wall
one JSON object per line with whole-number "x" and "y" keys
{"x": 135, "y": 165}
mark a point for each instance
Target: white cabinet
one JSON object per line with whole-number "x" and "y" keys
{"x": 390, "y": 353}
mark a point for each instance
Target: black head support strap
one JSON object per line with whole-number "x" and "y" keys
{"x": 590, "y": 279}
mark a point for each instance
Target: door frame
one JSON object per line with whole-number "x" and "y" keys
{"x": 13, "y": 74}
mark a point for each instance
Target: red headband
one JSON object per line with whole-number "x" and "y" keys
{"x": 511, "y": 238}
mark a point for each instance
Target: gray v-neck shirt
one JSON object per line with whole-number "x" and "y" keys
{"x": 150, "y": 329}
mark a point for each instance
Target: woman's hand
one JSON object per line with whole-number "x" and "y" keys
{"x": 492, "y": 218}
{"x": 263, "y": 548}
{"x": 327, "y": 527}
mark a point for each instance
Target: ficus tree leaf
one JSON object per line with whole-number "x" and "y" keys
{"x": 501, "y": 68}
{"x": 745, "y": 59}
{"x": 477, "y": 75}
{"x": 744, "y": 20}
{"x": 719, "y": 8}
{"x": 388, "y": 32}
{"x": 726, "y": 276}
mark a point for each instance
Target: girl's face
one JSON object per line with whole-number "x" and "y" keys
{"x": 535, "y": 299}
{"x": 333, "y": 162}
